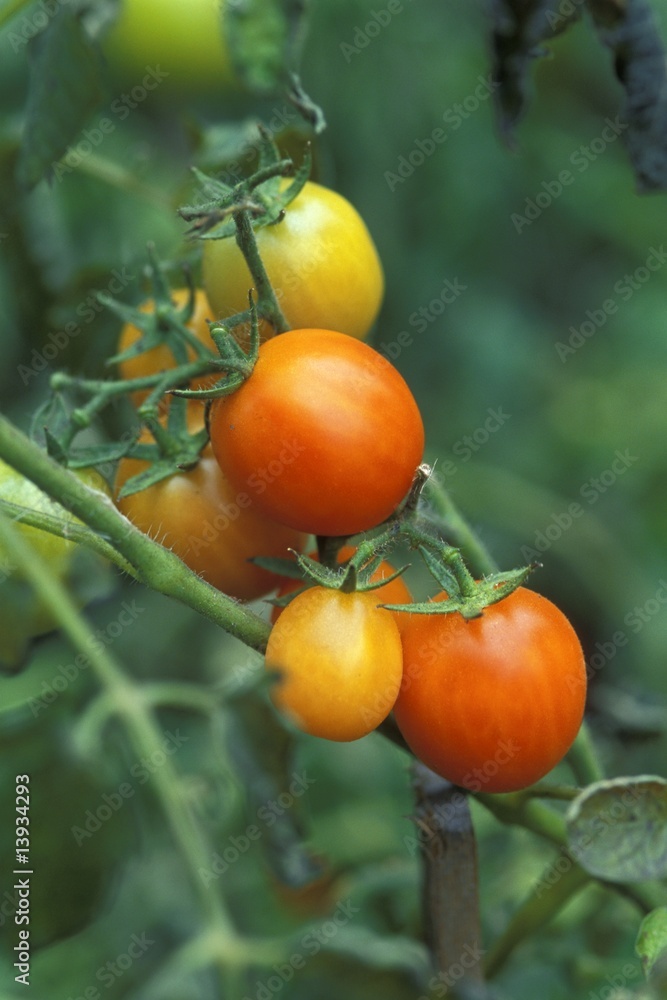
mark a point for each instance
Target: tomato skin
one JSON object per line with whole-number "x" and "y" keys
{"x": 160, "y": 358}
{"x": 340, "y": 663}
{"x": 321, "y": 262}
{"x": 183, "y": 40}
{"x": 492, "y": 704}
{"x": 55, "y": 550}
{"x": 325, "y": 431}
{"x": 394, "y": 592}
{"x": 213, "y": 528}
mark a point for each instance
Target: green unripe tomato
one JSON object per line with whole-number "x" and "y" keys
{"x": 182, "y": 37}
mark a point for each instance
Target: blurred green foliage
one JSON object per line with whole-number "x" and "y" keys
{"x": 522, "y": 289}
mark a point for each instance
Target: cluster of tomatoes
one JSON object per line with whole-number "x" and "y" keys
{"x": 324, "y": 438}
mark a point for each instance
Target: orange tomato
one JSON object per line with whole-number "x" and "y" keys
{"x": 211, "y": 526}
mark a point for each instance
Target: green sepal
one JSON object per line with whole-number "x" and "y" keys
{"x": 54, "y": 448}
{"x": 281, "y": 567}
{"x": 97, "y": 454}
{"x": 442, "y": 576}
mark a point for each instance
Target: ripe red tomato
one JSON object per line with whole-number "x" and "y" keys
{"x": 325, "y": 432}
{"x": 394, "y": 592}
{"x": 494, "y": 703}
{"x": 321, "y": 262}
{"x": 211, "y": 526}
{"x": 340, "y": 662}
{"x": 160, "y": 358}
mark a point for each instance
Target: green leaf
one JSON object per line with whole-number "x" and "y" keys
{"x": 617, "y": 830}
{"x": 98, "y": 454}
{"x": 651, "y": 944}
{"x": 66, "y": 85}
{"x": 265, "y": 39}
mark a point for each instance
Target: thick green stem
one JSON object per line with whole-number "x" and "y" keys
{"x": 583, "y": 760}
{"x": 158, "y": 567}
{"x": 518, "y": 809}
{"x": 461, "y": 534}
{"x": 267, "y": 303}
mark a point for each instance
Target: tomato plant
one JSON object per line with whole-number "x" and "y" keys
{"x": 160, "y": 358}
{"x": 339, "y": 662}
{"x": 394, "y": 592}
{"x": 493, "y": 703}
{"x": 214, "y": 528}
{"x": 320, "y": 259}
{"x": 325, "y": 430}
{"x": 185, "y": 40}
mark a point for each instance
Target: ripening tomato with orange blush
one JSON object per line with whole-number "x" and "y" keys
{"x": 492, "y": 703}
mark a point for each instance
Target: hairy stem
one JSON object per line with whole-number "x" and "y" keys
{"x": 156, "y": 566}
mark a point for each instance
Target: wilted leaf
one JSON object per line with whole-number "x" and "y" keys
{"x": 617, "y": 830}
{"x": 630, "y": 30}
{"x": 519, "y": 28}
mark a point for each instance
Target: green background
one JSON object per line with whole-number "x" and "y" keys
{"x": 494, "y": 348}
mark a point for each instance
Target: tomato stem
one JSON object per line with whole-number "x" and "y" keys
{"x": 156, "y": 566}
{"x": 539, "y": 908}
{"x": 267, "y": 303}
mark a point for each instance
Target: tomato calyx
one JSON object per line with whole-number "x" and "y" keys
{"x": 238, "y": 210}
{"x": 261, "y": 195}
{"x": 175, "y": 448}
{"x": 354, "y": 575}
{"x": 465, "y": 594}
{"x": 235, "y": 364}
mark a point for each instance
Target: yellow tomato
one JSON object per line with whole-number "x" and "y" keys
{"x": 321, "y": 262}
{"x": 339, "y": 663}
